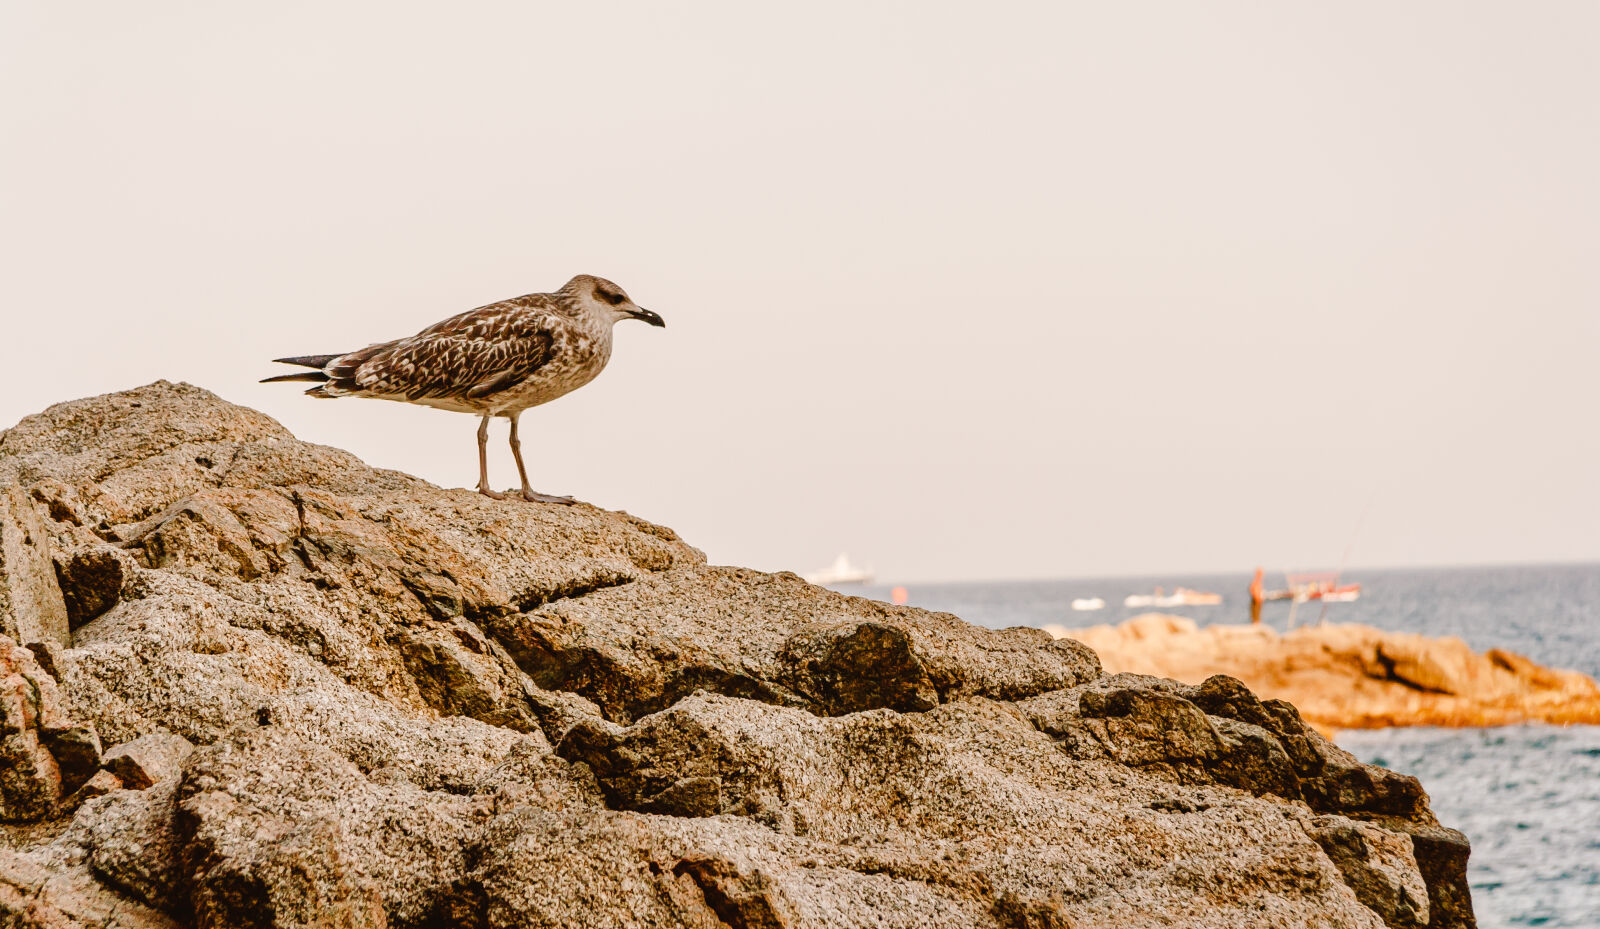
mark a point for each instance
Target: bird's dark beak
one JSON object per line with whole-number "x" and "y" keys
{"x": 653, "y": 319}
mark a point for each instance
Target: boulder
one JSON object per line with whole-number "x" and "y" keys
{"x": 1351, "y": 676}
{"x": 341, "y": 696}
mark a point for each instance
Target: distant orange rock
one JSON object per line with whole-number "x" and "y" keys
{"x": 1351, "y": 676}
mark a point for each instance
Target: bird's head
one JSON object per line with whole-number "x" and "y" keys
{"x": 607, "y": 301}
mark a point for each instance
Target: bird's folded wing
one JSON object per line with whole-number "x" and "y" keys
{"x": 470, "y": 356}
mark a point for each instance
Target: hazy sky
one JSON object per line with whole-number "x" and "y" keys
{"x": 970, "y": 290}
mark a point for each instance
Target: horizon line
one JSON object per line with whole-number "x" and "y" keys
{"x": 1420, "y": 566}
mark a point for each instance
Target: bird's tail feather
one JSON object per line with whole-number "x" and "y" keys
{"x": 307, "y": 361}
{"x": 302, "y": 376}
{"x": 332, "y": 380}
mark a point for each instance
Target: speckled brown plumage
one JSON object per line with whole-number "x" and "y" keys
{"x": 465, "y": 360}
{"x": 496, "y": 360}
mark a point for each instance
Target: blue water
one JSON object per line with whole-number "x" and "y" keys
{"x": 1527, "y": 796}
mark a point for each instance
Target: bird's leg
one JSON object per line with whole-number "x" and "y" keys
{"x": 528, "y": 493}
{"x": 483, "y": 462}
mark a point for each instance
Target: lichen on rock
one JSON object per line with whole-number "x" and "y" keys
{"x": 332, "y": 695}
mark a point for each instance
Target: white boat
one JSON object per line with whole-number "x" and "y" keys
{"x": 1183, "y": 596}
{"x": 840, "y": 572}
{"x": 1088, "y": 603}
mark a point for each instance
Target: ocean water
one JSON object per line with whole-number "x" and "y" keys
{"x": 1527, "y": 796}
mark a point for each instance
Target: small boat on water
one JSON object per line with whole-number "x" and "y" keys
{"x": 1323, "y": 585}
{"x": 1088, "y": 603}
{"x": 1183, "y": 596}
{"x": 840, "y": 572}
{"x": 1302, "y": 588}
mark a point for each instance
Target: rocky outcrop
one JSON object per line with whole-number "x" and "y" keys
{"x": 44, "y": 756}
{"x": 331, "y": 695}
{"x": 1351, "y": 676}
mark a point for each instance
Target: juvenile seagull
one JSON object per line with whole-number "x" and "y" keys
{"x": 497, "y": 360}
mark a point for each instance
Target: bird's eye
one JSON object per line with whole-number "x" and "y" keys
{"x": 614, "y": 299}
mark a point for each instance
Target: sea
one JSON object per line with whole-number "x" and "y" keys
{"x": 1528, "y": 796}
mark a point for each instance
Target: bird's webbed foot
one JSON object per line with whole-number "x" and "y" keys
{"x": 533, "y": 496}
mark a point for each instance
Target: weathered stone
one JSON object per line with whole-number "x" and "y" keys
{"x": 203, "y": 537}
{"x": 1441, "y": 856}
{"x": 1351, "y": 676}
{"x": 48, "y": 655}
{"x": 59, "y": 501}
{"x": 131, "y": 842}
{"x": 31, "y": 608}
{"x": 102, "y": 783}
{"x": 30, "y": 784}
{"x": 1013, "y": 911}
{"x": 686, "y": 796}
{"x": 1160, "y": 725}
{"x": 30, "y": 717}
{"x": 742, "y": 901}
{"x": 76, "y": 750}
{"x": 459, "y": 672}
{"x": 634, "y": 648}
{"x": 1423, "y": 665}
{"x": 304, "y": 878}
{"x": 1221, "y": 695}
{"x": 849, "y": 667}
{"x": 1379, "y": 866}
{"x": 34, "y": 895}
{"x": 91, "y": 580}
{"x": 1253, "y": 759}
{"x": 1143, "y": 727}
{"x": 281, "y": 832}
{"x": 374, "y": 669}
{"x": 147, "y": 760}
{"x": 1355, "y": 788}
{"x": 668, "y": 763}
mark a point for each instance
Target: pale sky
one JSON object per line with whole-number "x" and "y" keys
{"x": 968, "y": 290}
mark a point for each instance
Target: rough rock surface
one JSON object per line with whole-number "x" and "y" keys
{"x": 1351, "y": 676}
{"x": 336, "y": 696}
{"x": 31, "y": 607}
{"x": 150, "y": 758}
{"x": 43, "y": 755}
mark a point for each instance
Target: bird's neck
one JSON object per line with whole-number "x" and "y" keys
{"x": 573, "y": 307}
{"x": 586, "y": 315}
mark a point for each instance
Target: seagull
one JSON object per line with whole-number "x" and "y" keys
{"x": 496, "y": 360}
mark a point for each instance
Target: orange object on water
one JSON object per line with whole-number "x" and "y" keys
{"x": 898, "y": 596}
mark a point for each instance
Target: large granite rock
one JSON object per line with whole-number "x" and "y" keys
{"x": 335, "y": 696}
{"x": 1350, "y": 676}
